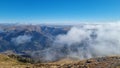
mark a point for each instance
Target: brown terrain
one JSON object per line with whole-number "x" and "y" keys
{"x": 101, "y": 62}
{"x": 8, "y": 62}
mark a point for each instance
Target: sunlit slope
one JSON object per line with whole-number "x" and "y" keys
{"x": 102, "y": 62}
{"x": 5, "y": 60}
{"x": 8, "y": 62}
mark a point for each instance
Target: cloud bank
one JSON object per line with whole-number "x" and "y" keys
{"x": 86, "y": 41}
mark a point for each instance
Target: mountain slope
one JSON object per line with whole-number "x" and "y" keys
{"x": 102, "y": 62}
{"x": 8, "y": 62}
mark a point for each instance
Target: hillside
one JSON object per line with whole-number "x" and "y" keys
{"x": 8, "y": 62}
{"x": 101, "y": 62}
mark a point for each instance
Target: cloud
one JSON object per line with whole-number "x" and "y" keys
{"x": 86, "y": 41}
{"x": 21, "y": 39}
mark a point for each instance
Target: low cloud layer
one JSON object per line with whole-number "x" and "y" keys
{"x": 86, "y": 41}
{"x": 21, "y": 39}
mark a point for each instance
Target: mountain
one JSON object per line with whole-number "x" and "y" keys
{"x": 61, "y": 44}
{"x": 24, "y": 39}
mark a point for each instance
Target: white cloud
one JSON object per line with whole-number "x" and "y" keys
{"x": 87, "y": 42}
{"x": 21, "y": 39}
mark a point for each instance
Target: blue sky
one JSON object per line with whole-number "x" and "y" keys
{"x": 59, "y": 11}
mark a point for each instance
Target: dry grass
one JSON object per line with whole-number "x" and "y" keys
{"x": 102, "y": 62}
{"x": 7, "y": 62}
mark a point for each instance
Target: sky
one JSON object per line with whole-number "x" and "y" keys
{"x": 59, "y": 11}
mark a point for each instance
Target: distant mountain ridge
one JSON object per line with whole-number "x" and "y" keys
{"x": 27, "y": 38}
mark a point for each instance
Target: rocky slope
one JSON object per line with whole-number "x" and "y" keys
{"x": 101, "y": 62}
